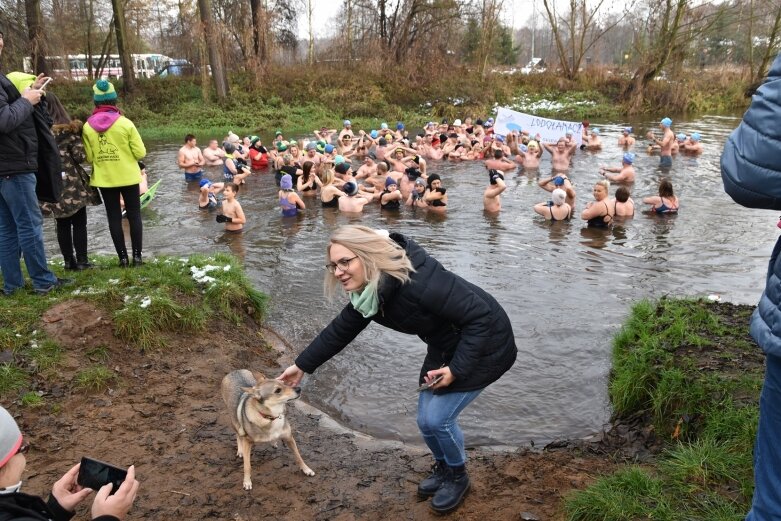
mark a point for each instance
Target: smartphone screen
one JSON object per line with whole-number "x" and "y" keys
{"x": 94, "y": 474}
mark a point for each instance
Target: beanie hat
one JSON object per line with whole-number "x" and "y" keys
{"x": 320, "y": 146}
{"x": 103, "y": 90}
{"x": 233, "y": 138}
{"x": 277, "y": 133}
{"x": 342, "y": 168}
{"x": 432, "y": 178}
{"x": 253, "y": 140}
{"x": 286, "y": 183}
{"x": 420, "y": 181}
{"x": 389, "y": 181}
{"x": 338, "y": 160}
{"x": 350, "y": 188}
{"x": 10, "y": 436}
{"x": 667, "y": 122}
{"x": 329, "y": 148}
{"x": 629, "y": 158}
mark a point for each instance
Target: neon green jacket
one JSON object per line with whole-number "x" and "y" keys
{"x": 113, "y": 146}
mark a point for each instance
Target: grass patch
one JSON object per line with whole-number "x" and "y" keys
{"x": 163, "y": 297}
{"x": 32, "y": 400}
{"x": 95, "y": 378}
{"x": 686, "y": 365}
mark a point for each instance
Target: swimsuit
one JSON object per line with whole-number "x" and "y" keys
{"x": 288, "y": 209}
{"x": 666, "y": 161}
{"x": 333, "y": 203}
{"x": 193, "y": 176}
{"x": 310, "y": 188}
{"x": 553, "y": 217}
{"x": 599, "y": 221}
{"x": 390, "y": 205}
{"x": 664, "y": 208}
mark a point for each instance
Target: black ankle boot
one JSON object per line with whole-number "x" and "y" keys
{"x": 452, "y": 492}
{"x": 137, "y": 261}
{"x": 82, "y": 262}
{"x": 70, "y": 264}
{"x": 123, "y": 262}
{"x": 429, "y": 486}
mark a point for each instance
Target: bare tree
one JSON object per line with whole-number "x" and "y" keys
{"x": 311, "y": 53}
{"x": 36, "y": 34}
{"x": 773, "y": 41}
{"x": 213, "y": 44}
{"x": 128, "y": 77}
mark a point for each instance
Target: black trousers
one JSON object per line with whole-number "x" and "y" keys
{"x": 72, "y": 233}
{"x": 131, "y": 195}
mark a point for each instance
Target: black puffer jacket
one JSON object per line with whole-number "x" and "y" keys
{"x": 462, "y": 325}
{"x": 18, "y": 138}
{"x": 24, "y": 507}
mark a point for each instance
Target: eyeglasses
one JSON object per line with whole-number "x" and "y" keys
{"x": 343, "y": 265}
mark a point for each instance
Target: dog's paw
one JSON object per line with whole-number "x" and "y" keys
{"x": 308, "y": 471}
{"x": 247, "y": 484}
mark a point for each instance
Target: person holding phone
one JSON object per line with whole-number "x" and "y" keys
{"x": 393, "y": 281}
{"x": 21, "y": 223}
{"x": 66, "y": 493}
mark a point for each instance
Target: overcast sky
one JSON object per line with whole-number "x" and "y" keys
{"x": 516, "y": 13}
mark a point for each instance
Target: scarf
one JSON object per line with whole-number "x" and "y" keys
{"x": 366, "y": 302}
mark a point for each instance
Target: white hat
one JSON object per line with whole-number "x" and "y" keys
{"x": 457, "y": 123}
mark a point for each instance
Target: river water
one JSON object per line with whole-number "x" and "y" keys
{"x": 566, "y": 289}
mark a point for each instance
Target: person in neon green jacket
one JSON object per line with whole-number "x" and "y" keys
{"x": 113, "y": 146}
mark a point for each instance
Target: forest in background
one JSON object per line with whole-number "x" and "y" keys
{"x": 420, "y": 56}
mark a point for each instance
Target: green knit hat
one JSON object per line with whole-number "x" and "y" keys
{"x": 103, "y": 90}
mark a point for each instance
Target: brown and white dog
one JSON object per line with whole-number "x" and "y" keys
{"x": 256, "y": 407}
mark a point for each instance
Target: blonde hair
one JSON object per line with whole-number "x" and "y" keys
{"x": 378, "y": 253}
{"x": 605, "y": 184}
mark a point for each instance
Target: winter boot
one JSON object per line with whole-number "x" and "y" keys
{"x": 429, "y": 486}
{"x": 452, "y": 492}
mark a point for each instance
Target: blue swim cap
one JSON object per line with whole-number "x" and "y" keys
{"x": 595, "y": 131}
{"x": 681, "y": 136}
{"x": 347, "y": 123}
{"x": 384, "y": 126}
{"x": 374, "y": 134}
{"x": 629, "y": 158}
{"x": 338, "y": 160}
{"x": 286, "y": 183}
{"x": 628, "y": 130}
{"x": 558, "y": 180}
{"x": 499, "y": 138}
{"x": 667, "y": 122}
{"x": 204, "y": 182}
{"x": 523, "y": 148}
{"x": 695, "y": 136}
{"x": 329, "y": 148}
{"x": 399, "y": 126}
{"x": 311, "y": 146}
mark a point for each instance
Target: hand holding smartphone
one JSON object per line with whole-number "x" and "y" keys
{"x": 94, "y": 474}
{"x": 45, "y": 83}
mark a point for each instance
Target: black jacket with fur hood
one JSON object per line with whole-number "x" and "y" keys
{"x": 462, "y": 325}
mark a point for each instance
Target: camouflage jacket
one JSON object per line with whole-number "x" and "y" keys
{"x": 76, "y": 190}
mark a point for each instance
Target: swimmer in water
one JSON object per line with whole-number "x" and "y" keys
{"x": 599, "y": 212}
{"x": 492, "y": 201}
{"x": 665, "y": 143}
{"x": 623, "y": 174}
{"x": 664, "y": 203}
{"x": 626, "y": 139}
{"x": 557, "y": 208}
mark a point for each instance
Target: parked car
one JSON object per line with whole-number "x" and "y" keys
{"x": 178, "y": 68}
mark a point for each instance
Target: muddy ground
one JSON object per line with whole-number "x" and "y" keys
{"x": 165, "y": 415}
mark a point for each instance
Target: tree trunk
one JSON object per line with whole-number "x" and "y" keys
{"x": 769, "y": 53}
{"x": 35, "y": 33}
{"x": 311, "y": 55}
{"x": 254, "y": 7}
{"x": 215, "y": 57}
{"x": 128, "y": 77}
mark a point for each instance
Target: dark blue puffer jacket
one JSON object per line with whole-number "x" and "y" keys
{"x": 751, "y": 170}
{"x": 463, "y": 327}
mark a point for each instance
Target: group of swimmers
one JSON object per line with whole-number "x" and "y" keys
{"x": 349, "y": 170}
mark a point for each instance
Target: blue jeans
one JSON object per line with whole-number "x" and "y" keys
{"x": 21, "y": 230}
{"x": 438, "y": 423}
{"x": 766, "y": 505}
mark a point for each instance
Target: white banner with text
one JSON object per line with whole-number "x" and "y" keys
{"x": 550, "y": 130}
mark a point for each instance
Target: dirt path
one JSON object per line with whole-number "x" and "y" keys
{"x": 166, "y": 416}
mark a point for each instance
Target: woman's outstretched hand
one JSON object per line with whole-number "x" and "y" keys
{"x": 292, "y": 375}
{"x": 444, "y": 372}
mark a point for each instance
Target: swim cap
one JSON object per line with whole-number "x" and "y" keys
{"x": 342, "y": 168}
{"x": 329, "y": 148}
{"x": 350, "y": 188}
{"x": 558, "y": 180}
{"x": 695, "y": 136}
{"x": 488, "y": 124}
{"x": 681, "y": 137}
{"x": 629, "y": 158}
{"x": 486, "y": 139}
{"x": 286, "y": 183}
{"x": 595, "y": 131}
{"x": 490, "y": 120}
{"x": 558, "y": 196}
{"x": 627, "y": 130}
{"x": 347, "y": 123}
{"x": 523, "y": 148}
{"x": 494, "y": 175}
{"x": 384, "y": 126}
{"x": 338, "y": 160}
{"x": 204, "y": 182}
{"x": 277, "y": 133}
{"x": 389, "y": 181}
{"x": 399, "y": 126}
{"x": 457, "y": 123}
{"x": 281, "y": 146}
{"x": 229, "y": 148}
{"x": 431, "y": 124}
{"x": 568, "y": 133}
{"x": 667, "y": 122}
{"x": 311, "y": 146}
{"x": 499, "y": 138}
{"x": 374, "y": 134}
{"x": 533, "y": 144}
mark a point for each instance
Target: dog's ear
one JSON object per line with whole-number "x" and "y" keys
{"x": 254, "y": 392}
{"x": 259, "y": 377}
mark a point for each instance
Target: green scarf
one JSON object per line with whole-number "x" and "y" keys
{"x": 366, "y": 302}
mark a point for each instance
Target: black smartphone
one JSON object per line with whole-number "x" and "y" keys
{"x": 94, "y": 474}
